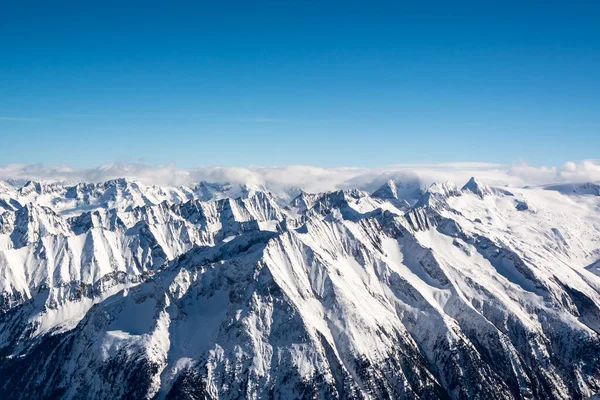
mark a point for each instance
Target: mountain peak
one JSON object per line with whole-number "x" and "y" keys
{"x": 476, "y": 187}
{"x": 445, "y": 189}
{"x": 400, "y": 192}
{"x": 387, "y": 191}
{"x": 146, "y": 294}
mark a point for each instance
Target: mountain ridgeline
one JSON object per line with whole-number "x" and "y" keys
{"x": 219, "y": 291}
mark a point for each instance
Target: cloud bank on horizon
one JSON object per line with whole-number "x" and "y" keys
{"x": 314, "y": 179}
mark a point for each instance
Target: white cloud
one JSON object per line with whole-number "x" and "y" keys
{"x": 315, "y": 179}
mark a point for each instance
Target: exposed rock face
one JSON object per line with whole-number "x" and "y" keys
{"x": 400, "y": 193}
{"x": 459, "y": 294}
{"x": 522, "y": 206}
{"x": 476, "y": 187}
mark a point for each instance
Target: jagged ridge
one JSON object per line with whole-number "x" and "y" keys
{"x": 463, "y": 294}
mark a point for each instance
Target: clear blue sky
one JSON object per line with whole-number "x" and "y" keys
{"x": 307, "y": 82}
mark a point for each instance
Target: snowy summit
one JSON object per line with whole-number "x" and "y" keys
{"x": 211, "y": 290}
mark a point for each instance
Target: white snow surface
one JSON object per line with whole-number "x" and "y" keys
{"x": 229, "y": 291}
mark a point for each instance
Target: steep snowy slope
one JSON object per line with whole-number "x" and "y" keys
{"x": 479, "y": 292}
{"x": 63, "y": 264}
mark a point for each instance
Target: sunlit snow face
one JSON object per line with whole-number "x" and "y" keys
{"x": 207, "y": 276}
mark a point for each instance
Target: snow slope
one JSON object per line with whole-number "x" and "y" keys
{"x": 120, "y": 290}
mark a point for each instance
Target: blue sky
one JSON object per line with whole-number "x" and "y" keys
{"x": 321, "y": 83}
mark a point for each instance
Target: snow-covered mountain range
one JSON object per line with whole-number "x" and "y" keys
{"x": 123, "y": 290}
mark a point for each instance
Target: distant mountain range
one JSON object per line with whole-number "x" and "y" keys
{"x": 212, "y": 290}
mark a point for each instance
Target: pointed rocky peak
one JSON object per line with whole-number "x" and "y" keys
{"x": 353, "y": 194}
{"x": 351, "y": 204}
{"x": 398, "y": 191}
{"x": 300, "y": 198}
{"x": 30, "y": 187}
{"x": 118, "y": 182}
{"x": 476, "y": 187}
{"x": 339, "y": 198}
{"x": 445, "y": 189}
{"x": 301, "y": 203}
{"x": 437, "y": 195}
{"x": 387, "y": 191}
